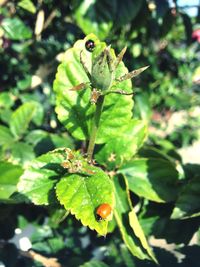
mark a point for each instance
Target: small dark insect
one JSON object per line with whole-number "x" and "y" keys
{"x": 89, "y": 45}
{"x": 103, "y": 212}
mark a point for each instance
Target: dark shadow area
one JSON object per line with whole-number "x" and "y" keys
{"x": 44, "y": 146}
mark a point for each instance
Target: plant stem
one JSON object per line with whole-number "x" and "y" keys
{"x": 95, "y": 125}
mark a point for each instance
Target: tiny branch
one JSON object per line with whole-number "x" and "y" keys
{"x": 50, "y": 19}
{"x": 95, "y": 126}
{"x": 46, "y": 262}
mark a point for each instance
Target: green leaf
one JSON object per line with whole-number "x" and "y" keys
{"x": 94, "y": 263}
{"x": 6, "y": 137}
{"x": 82, "y": 194}
{"x": 135, "y": 225}
{"x": 15, "y": 29}
{"x": 27, "y": 5}
{"x": 25, "y": 83}
{"x": 44, "y": 141}
{"x": 35, "y": 136}
{"x": 100, "y": 17}
{"x": 133, "y": 236}
{"x": 188, "y": 202}
{"x": 91, "y": 16}
{"x": 6, "y": 100}
{"x": 38, "y": 181}
{"x": 21, "y": 153}
{"x": 124, "y": 146}
{"x": 74, "y": 108}
{"x": 9, "y": 176}
{"x": 39, "y": 114}
{"x": 127, "y": 11}
{"x": 21, "y": 118}
{"x": 5, "y": 115}
{"x": 142, "y": 105}
{"x": 152, "y": 152}
{"x": 153, "y": 179}
{"x": 126, "y": 256}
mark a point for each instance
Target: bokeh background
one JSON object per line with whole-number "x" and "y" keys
{"x": 164, "y": 34}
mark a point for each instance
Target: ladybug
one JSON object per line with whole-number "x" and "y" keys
{"x": 89, "y": 45}
{"x": 103, "y": 212}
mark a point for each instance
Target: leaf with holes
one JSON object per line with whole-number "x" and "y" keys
{"x": 82, "y": 194}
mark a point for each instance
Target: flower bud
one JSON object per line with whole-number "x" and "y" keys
{"x": 102, "y": 74}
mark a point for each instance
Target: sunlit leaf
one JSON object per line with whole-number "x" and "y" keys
{"x": 133, "y": 236}
{"x": 15, "y": 29}
{"x": 21, "y": 118}
{"x": 82, "y": 194}
{"x": 21, "y": 153}
{"x": 6, "y": 137}
{"x": 134, "y": 223}
{"x": 74, "y": 108}
{"x": 27, "y": 5}
{"x": 124, "y": 146}
{"x": 6, "y": 100}
{"x": 9, "y": 176}
{"x": 38, "y": 181}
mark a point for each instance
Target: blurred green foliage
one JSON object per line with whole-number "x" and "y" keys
{"x": 33, "y": 37}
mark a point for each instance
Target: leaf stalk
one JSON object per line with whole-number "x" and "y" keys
{"x": 95, "y": 126}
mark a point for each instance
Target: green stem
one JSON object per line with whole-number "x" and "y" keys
{"x": 95, "y": 125}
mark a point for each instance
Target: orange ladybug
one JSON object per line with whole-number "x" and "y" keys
{"x": 103, "y": 212}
